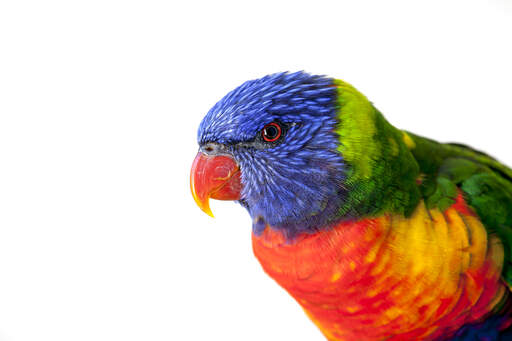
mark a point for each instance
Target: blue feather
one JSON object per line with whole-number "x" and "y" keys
{"x": 296, "y": 185}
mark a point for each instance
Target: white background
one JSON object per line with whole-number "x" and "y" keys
{"x": 99, "y": 105}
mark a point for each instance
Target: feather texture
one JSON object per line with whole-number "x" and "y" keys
{"x": 379, "y": 234}
{"x": 391, "y": 277}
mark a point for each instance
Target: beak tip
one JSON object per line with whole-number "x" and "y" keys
{"x": 209, "y": 212}
{"x": 204, "y": 205}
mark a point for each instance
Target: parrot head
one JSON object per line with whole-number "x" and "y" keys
{"x": 271, "y": 144}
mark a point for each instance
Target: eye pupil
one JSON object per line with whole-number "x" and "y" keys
{"x": 271, "y": 132}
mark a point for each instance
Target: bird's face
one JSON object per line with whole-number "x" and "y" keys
{"x": 271, "y": 145}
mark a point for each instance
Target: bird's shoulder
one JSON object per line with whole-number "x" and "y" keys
{"x": 485, "y": 183}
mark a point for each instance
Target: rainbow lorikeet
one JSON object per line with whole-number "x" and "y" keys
{"x": 379, "y": 234}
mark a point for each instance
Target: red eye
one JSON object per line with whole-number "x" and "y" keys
{"x": 271, "y": 132}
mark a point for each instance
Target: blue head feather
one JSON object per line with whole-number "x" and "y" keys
{"x": 295, "y": 185}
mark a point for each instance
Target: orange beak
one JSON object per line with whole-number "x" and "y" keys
{"x": 216, "y": 177}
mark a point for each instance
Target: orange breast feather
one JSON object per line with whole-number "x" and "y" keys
{"x": 415, "y": 278}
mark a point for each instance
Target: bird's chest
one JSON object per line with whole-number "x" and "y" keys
{"x": 390, "y": 277}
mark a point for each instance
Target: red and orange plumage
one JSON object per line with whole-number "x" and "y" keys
{"x": 379, "y": 234}
{"x": 417, "y": 277}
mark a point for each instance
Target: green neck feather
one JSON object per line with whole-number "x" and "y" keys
{"x": 381, "y": 171}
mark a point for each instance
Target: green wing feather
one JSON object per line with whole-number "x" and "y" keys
{"x": 484, "y": 181}
{"x": 384, "y": 166}
{"x": 381, "y": 172}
